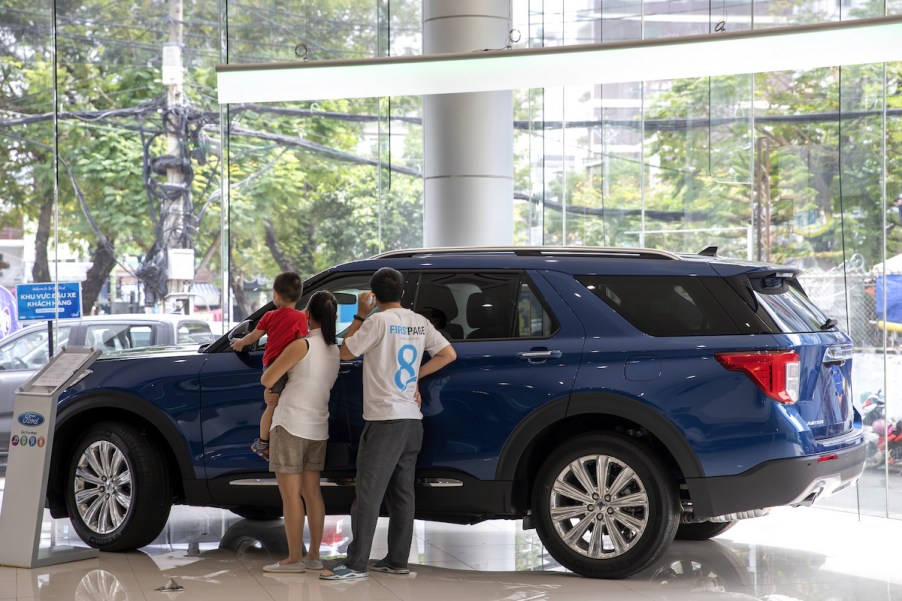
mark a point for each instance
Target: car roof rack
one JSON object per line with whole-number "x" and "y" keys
{"x": 534, "y": 251}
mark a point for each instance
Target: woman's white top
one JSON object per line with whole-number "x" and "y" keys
{"x": 303, "y": 407}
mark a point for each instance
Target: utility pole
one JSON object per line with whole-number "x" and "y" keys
{"x": 179, "y": 259}
{"x": 173, "y": 206}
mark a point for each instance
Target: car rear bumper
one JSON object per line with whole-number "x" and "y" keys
{"x": 796, "y": 481}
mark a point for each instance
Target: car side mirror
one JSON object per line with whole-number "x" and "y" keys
{"x": 241, "y": 330}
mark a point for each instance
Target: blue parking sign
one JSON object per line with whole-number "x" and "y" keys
{"x": 48, "y": 301}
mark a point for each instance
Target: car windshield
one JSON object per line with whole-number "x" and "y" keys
{"x": 30, "y": 350}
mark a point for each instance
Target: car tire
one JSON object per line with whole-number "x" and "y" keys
{"x": 569, "y": 506}
{"x": 251, "y": 512}
{"x": 117, "y": 488}
{"x": 702, "y": 530}
{"x": 710, "y": 567}
{"x": 247, "y": 538}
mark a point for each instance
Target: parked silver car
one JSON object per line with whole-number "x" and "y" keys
{"x": 27, "y": 350}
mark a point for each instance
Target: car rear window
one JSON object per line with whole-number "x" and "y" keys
{"x": 194, "y": 332}
{"x": 663, "y": 305}
{"x": 791, "y": 311}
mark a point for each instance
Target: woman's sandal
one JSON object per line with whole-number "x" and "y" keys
{"x": 342, "y": 572}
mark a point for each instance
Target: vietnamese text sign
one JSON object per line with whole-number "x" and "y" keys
{"x": 48, "y": 301}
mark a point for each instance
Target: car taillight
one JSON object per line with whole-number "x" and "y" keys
{"x": 333, "y": 532}
{"x": 777, "y": 373}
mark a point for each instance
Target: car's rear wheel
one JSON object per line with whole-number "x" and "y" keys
{"x": 604, "y": 507}
{"x": 117, "y": 488}
{"x": 687, "y": 566}
{"x": 702, "y": 530}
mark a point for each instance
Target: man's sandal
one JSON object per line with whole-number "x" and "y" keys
{"x": 342, "y": 572}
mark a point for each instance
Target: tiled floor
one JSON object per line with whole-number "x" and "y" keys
{"x": 790, "y": 555}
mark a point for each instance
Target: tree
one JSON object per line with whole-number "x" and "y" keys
{"x": 813, "y": 163}
{"x": 112, "y": 132}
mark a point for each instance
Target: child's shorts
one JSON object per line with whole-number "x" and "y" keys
{"x": 279, "y": 386}
{"x": 290, "y": 454}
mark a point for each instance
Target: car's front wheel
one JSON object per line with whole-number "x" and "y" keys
{"x": 604, "y": 507}
{"x": 117, "y": 488}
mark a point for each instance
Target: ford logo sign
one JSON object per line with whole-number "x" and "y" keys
{"x": 30, "y": 418}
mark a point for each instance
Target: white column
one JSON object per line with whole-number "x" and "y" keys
{"x": 468, "y": 138}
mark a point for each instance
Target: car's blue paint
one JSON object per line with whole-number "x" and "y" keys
{"x": 474, "y": 406}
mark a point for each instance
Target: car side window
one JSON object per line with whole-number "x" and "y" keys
{"x": 663, "y": 305}
{"x": 482, "y": 306}
{"x": 106, "y": 337}
{"x": 533, "y": 320}
{"x": 140, "y": 336}
{"x": 193, "y": 332}
{"x": 117, "y": 337}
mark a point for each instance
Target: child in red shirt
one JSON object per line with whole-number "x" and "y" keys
{"x": 282, "y": 325}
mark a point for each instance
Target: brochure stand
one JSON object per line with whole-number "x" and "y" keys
{"x": 28, "y": 466}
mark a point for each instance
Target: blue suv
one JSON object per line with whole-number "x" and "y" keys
{"x": 611, "y": 398}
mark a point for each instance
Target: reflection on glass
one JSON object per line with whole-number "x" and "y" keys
{"x": 791, "y": 167}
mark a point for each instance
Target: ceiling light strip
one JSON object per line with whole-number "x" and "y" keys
{"x": 861, "y": 41}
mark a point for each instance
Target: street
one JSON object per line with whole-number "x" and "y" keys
{"x": 873, "y": 493}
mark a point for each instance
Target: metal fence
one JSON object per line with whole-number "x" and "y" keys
{"x": 846, "y": 293}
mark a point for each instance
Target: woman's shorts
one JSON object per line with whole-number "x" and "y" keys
{"x": 289, "y": 454}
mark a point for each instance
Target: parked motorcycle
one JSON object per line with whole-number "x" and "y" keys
{"x": 873, "y": 407}
{"x": 884, "y": 443}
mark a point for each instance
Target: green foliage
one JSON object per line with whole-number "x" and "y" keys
{"x": 797, "y": 157}
{"x": 321, "y": 202}
{"x": 813, "y": 173}
{"x": 792, "y": 159}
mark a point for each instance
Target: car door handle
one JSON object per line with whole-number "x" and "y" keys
{"x": 345, "y": 366}
{"x": 537, "y": 356}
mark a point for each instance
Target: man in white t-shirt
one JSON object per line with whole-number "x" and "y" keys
{"x": 392, "y": 342}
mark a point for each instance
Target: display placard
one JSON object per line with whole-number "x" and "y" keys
{"x": 28, "y": 466}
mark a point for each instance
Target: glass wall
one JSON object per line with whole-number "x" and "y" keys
{"x": 161, "y": 200}
{"x": 799, "y": 168}
{"x": 315, "y": 184}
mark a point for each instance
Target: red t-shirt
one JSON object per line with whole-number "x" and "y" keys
{"x": 281, "y": 327}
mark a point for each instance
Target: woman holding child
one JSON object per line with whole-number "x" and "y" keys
{"x": 300, "y": 428}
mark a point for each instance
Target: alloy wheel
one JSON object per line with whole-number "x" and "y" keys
{"x": 103, "y": 487}
{"x": 599, "y": 506}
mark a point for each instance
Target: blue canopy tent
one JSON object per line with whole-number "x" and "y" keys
{"x": 889, "y": 280}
